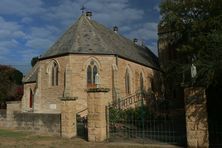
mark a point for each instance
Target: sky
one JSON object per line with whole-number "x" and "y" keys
{"x": 30, "y": 27}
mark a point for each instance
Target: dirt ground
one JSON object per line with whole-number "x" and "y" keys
{"x": 21, "y": 139}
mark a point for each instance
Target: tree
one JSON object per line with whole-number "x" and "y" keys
{"x": 34, "y": 61}
{"x": 11, "y": 84}
{"x": 196, "y": 36}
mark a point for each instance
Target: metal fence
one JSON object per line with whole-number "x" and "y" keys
{"x": 144, "y": 121}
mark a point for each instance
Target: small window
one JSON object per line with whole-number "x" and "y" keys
{"x": 141, "y": 82}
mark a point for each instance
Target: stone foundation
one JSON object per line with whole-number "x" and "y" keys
{"x": 48, "y": 124}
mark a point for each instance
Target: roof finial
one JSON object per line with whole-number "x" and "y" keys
{"x": 83, "y": 9}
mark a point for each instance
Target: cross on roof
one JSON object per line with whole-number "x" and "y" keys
{"x": 83, "y": 9}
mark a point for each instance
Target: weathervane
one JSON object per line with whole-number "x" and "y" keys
{"x": 83, "y": 9}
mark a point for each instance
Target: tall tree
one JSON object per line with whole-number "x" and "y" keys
{"x": 11, "y": 84}
{"x": 34, "y": 61}
{"x": 196, "y": 35}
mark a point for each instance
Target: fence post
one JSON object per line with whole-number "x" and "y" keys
{"x": 97, "y": 126}
{"x": 196, "y": 117}
{"x": 68, "y": 117}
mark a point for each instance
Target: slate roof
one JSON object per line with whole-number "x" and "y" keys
{"x": 32, "y": 74}
{"x": 87, "y": 36}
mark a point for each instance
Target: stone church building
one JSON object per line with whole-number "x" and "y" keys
{"x": 71, "y": 64}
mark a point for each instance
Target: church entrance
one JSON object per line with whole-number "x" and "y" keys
{"x": 214, "y": 107}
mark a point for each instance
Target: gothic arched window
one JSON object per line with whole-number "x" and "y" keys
{"x": 141, "y": 82}
{"x": 152, "y": 84}
{"x": 91, "y": 74}
{"x": 31, "y": 99}
{"x": 54, "y": 74}
{"x": 127, "y": 82}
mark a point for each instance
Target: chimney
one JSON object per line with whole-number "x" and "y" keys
{"x": 115, "y": 29}
{"x": 135, "y": 40}
{"x": 142, "y": 43}
{"x": 89, "y": 14}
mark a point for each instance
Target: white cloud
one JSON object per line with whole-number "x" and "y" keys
{"x": 26, "y": 20}
{"x": 5, "y": 46}
{"x": 39, "y": 43}
{"x": 9, "y": 33}
{"x": 147, "y": 31}
{"x": 64, "y": 13}
{"x": 7, "y": 25}
{"x": 10, "y": 30}
{"x": 108, "y": 12}
{"x": 113, "y": 13}
{"x": 156, "y": 8}
{"x": 21, "y": 7}
{"x": 125, "y": 28}
{"x": 42, "y": 37}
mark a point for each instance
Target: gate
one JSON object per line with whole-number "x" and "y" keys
{"x": 82, "y": 130}
{"x": 141, "y": 119}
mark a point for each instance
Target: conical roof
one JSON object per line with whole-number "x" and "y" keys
{"x": 87, "y": 36}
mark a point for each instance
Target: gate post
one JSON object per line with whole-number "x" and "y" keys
{"x": 97, "y": 102}
{"x": 68, "y": 117}
{"x": 196, "y": 117}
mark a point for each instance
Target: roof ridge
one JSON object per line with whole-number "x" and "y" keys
{"x": 76, "y": 33}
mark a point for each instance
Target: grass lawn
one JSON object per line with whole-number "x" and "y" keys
{"x": 12, "y": 134}
{"x": 22, "y": 139}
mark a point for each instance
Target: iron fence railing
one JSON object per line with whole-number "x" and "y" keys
{"x": 149, "y": 131}
{"x": 137, "y": 118}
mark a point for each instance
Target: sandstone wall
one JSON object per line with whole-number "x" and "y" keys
{"x": 48, "y": 99}
{"x": 49, "y": 124}
{"x": 41, "y": 123}
{"x": 135, "y": 70}
{"x": 79, "y": 67}
{"x": 26, "y": 96}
